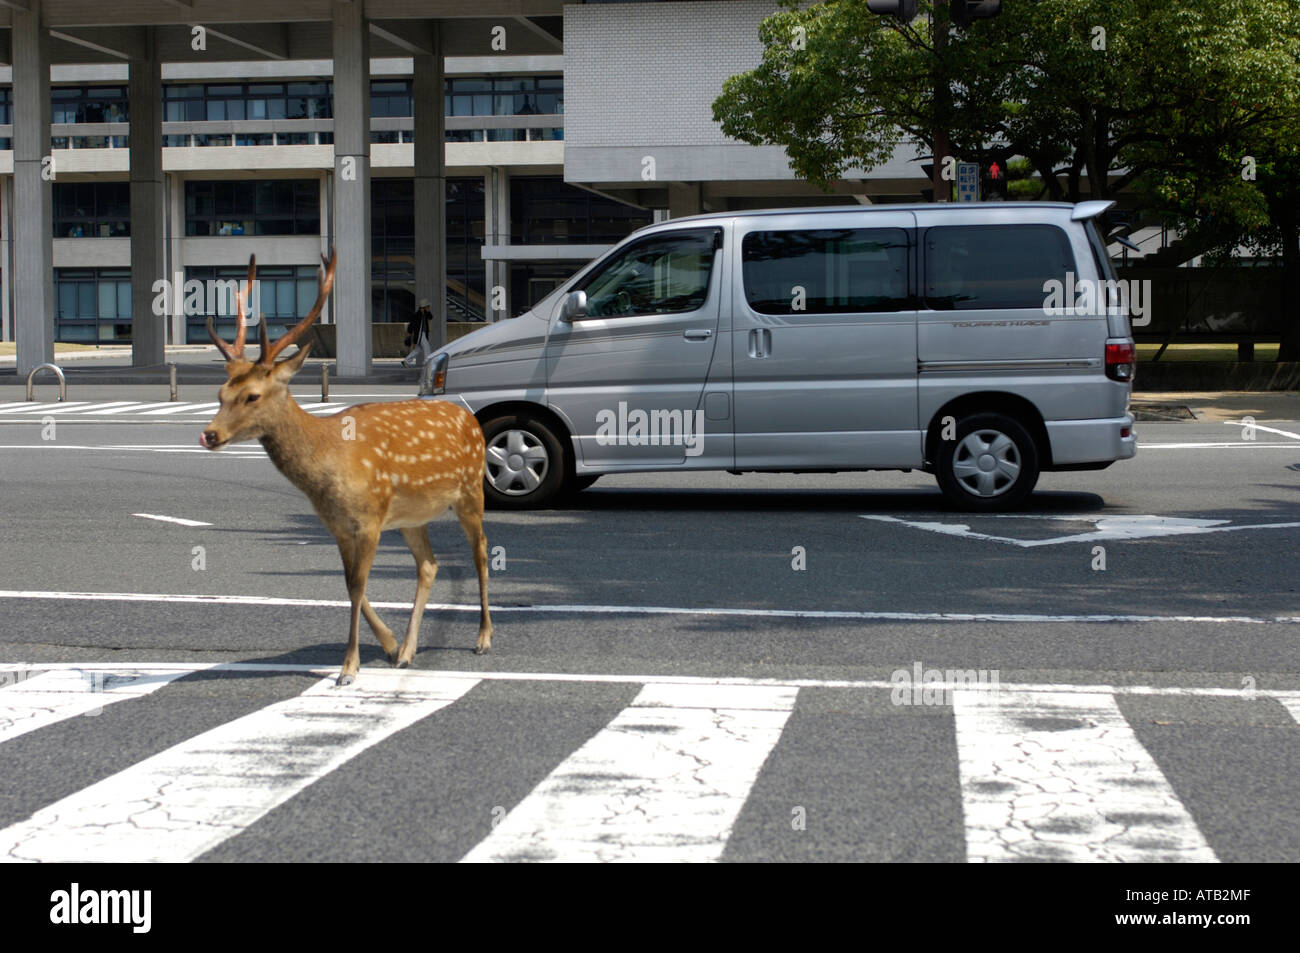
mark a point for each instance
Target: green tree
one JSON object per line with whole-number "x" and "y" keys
{"x": 1097, "y": 96}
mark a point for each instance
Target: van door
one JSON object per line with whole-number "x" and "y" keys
{"x": 628, "y": 376}
{"x": 824, "y": 342}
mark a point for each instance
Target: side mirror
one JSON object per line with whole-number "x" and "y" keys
{"x": 573, "y": 306}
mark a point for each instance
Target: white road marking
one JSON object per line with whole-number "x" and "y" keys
{"x": 182, "y": 408}
{"x": 127, "y": 408}
{"x": 232, "y": 452}
{"x": 170, "y": 519}
{"x": 1291, "y": 702}
{"x": 37, "y": 408}
{"x": 1243, "y": 425}
{"x": 1063, "y": 777}
{"x": 1245, "y": 445}
{"x": 645, "y": 610}
{"x": 1108, "y": 528}
{"x": 182, "y": 802}
{"x": 56, "y": 694}
{"x": 380, "y": 675}
{"x": 664, "y": 781}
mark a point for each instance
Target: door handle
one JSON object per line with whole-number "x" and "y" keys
{"x": 698, "y": 334}
{"x": 760, "y": 342}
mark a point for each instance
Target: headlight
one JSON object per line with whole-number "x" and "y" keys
{"x": 435, "y": 375}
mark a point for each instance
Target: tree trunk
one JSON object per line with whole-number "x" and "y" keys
{"x": 1287, "y": 318}
{"x": 942, "y": 104}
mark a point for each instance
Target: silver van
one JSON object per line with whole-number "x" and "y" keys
{"x": 982, "y": 343}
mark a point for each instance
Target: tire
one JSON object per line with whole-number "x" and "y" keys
{"x": 992, "y": 464}
{"x": 527, "y": 465}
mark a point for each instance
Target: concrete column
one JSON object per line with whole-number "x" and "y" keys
{"x": 496, "y": 211}
{"x": 431, "y": 186}
{"x": 33, "y": 257}
{"x": 6, "y": 261}
{"x": 144, "y": 92}
{"x": 326, "y": 235}
{"x": 175, "y": 188}
{"x": 685, "y": 198}
{"x": 352, "y": 187}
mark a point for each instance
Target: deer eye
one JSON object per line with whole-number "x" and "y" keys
{"x": 251, "y": 397}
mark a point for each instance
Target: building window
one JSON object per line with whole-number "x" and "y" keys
{"x": 548, "y": 211}
{"x": 92, "y": 209}
{"x": 284, "y": 293}
{"x": 505, "y": 96}
{"x": 264, "y": 207}
{"x": 240, "y": 101}
{"x": 92, "y": 305}
{"x": 88, "y": 104}
{"x": 6, "y": 113}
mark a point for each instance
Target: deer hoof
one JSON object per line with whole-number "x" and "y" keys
{"x": 404, "y": 663}
{"x": 345, "y": 680}
{"x": 482, "y": 650}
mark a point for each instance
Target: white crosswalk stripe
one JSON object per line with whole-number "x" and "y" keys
{"x": 186, "y": 800}
{"x": 146, "y": 410}
{"x": 1043, "y": 772}
{"x": 49, "y": 697}
{"x": 663, "y": 782}
{"x": 1062, "y": 777}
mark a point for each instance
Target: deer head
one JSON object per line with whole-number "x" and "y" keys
{"x": 256, "y": 393}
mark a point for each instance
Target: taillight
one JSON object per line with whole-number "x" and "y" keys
{"x": 1121, "y": 361}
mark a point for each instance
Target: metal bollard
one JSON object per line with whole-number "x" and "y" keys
{"x": 58, "y": 372}
{"x": 171, "y": 373}
{"x": 324, "y": 384}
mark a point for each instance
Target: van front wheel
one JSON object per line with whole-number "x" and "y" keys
{"x": 525, "y": 462}
{"x": 991, "y": 464}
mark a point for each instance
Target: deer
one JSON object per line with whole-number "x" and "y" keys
{"x": 365, "y": 469}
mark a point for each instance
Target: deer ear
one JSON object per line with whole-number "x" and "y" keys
{"x": 291, "y": 365}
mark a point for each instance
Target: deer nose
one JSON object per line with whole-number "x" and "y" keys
{"x": 208, "y": 439}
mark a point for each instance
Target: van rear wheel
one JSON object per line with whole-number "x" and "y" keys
{"x": 990, "y": 465}
{"x": 526, "y": 463}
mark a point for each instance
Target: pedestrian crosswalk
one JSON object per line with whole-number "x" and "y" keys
{"x": 138, "y": 410}
{"x": 1042, "y": 772}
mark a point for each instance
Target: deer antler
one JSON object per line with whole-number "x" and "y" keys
{"x": 235, "y": 352}
{"x": 298, "y": 330}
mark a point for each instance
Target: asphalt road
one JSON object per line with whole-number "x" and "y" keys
{"x": 1171, "y": 676}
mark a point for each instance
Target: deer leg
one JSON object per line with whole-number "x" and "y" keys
{"x": 426, "y": 567}
{"x": 357, "y": 570}
{"x": 382, "y": 632}
{"x": 471, "y": 521}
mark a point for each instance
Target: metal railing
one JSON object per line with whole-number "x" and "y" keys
{"x": 58, "y": 372}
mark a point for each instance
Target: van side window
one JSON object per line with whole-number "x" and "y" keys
{"x": 667, "y": 274}
{"x": 972, "y": 267}
{"x": 826, "y": 270}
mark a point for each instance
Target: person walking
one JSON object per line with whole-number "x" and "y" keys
{"x": 417, "y": 333}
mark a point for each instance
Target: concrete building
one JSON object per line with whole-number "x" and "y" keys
{"x": 148, "y": 147}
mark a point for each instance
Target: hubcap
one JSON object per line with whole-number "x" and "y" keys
{"x": 986, "y": 463}
{"x": 517, "y": 462}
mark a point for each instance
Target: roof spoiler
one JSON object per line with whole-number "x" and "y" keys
{"x": 1087, "y": 210}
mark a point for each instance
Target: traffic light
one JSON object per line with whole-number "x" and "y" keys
{"x": 963, "y": 12}
{"x": 994, "y": 186}
{"x": 904, "y": 10}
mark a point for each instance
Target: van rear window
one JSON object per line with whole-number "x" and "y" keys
{"x": 826, "y": 270}
{"x": 972, "y": 267}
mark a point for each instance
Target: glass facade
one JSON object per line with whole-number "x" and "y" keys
{"x": 92, "y": 209}
{"x": 304, "y": 99}
{"x": 264, "y": 207}
{"x": 285, "y": 294}
{"x": 548, "y": 211}
{"x": 92, "y": 305}
{"x": 392, "y": 249}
